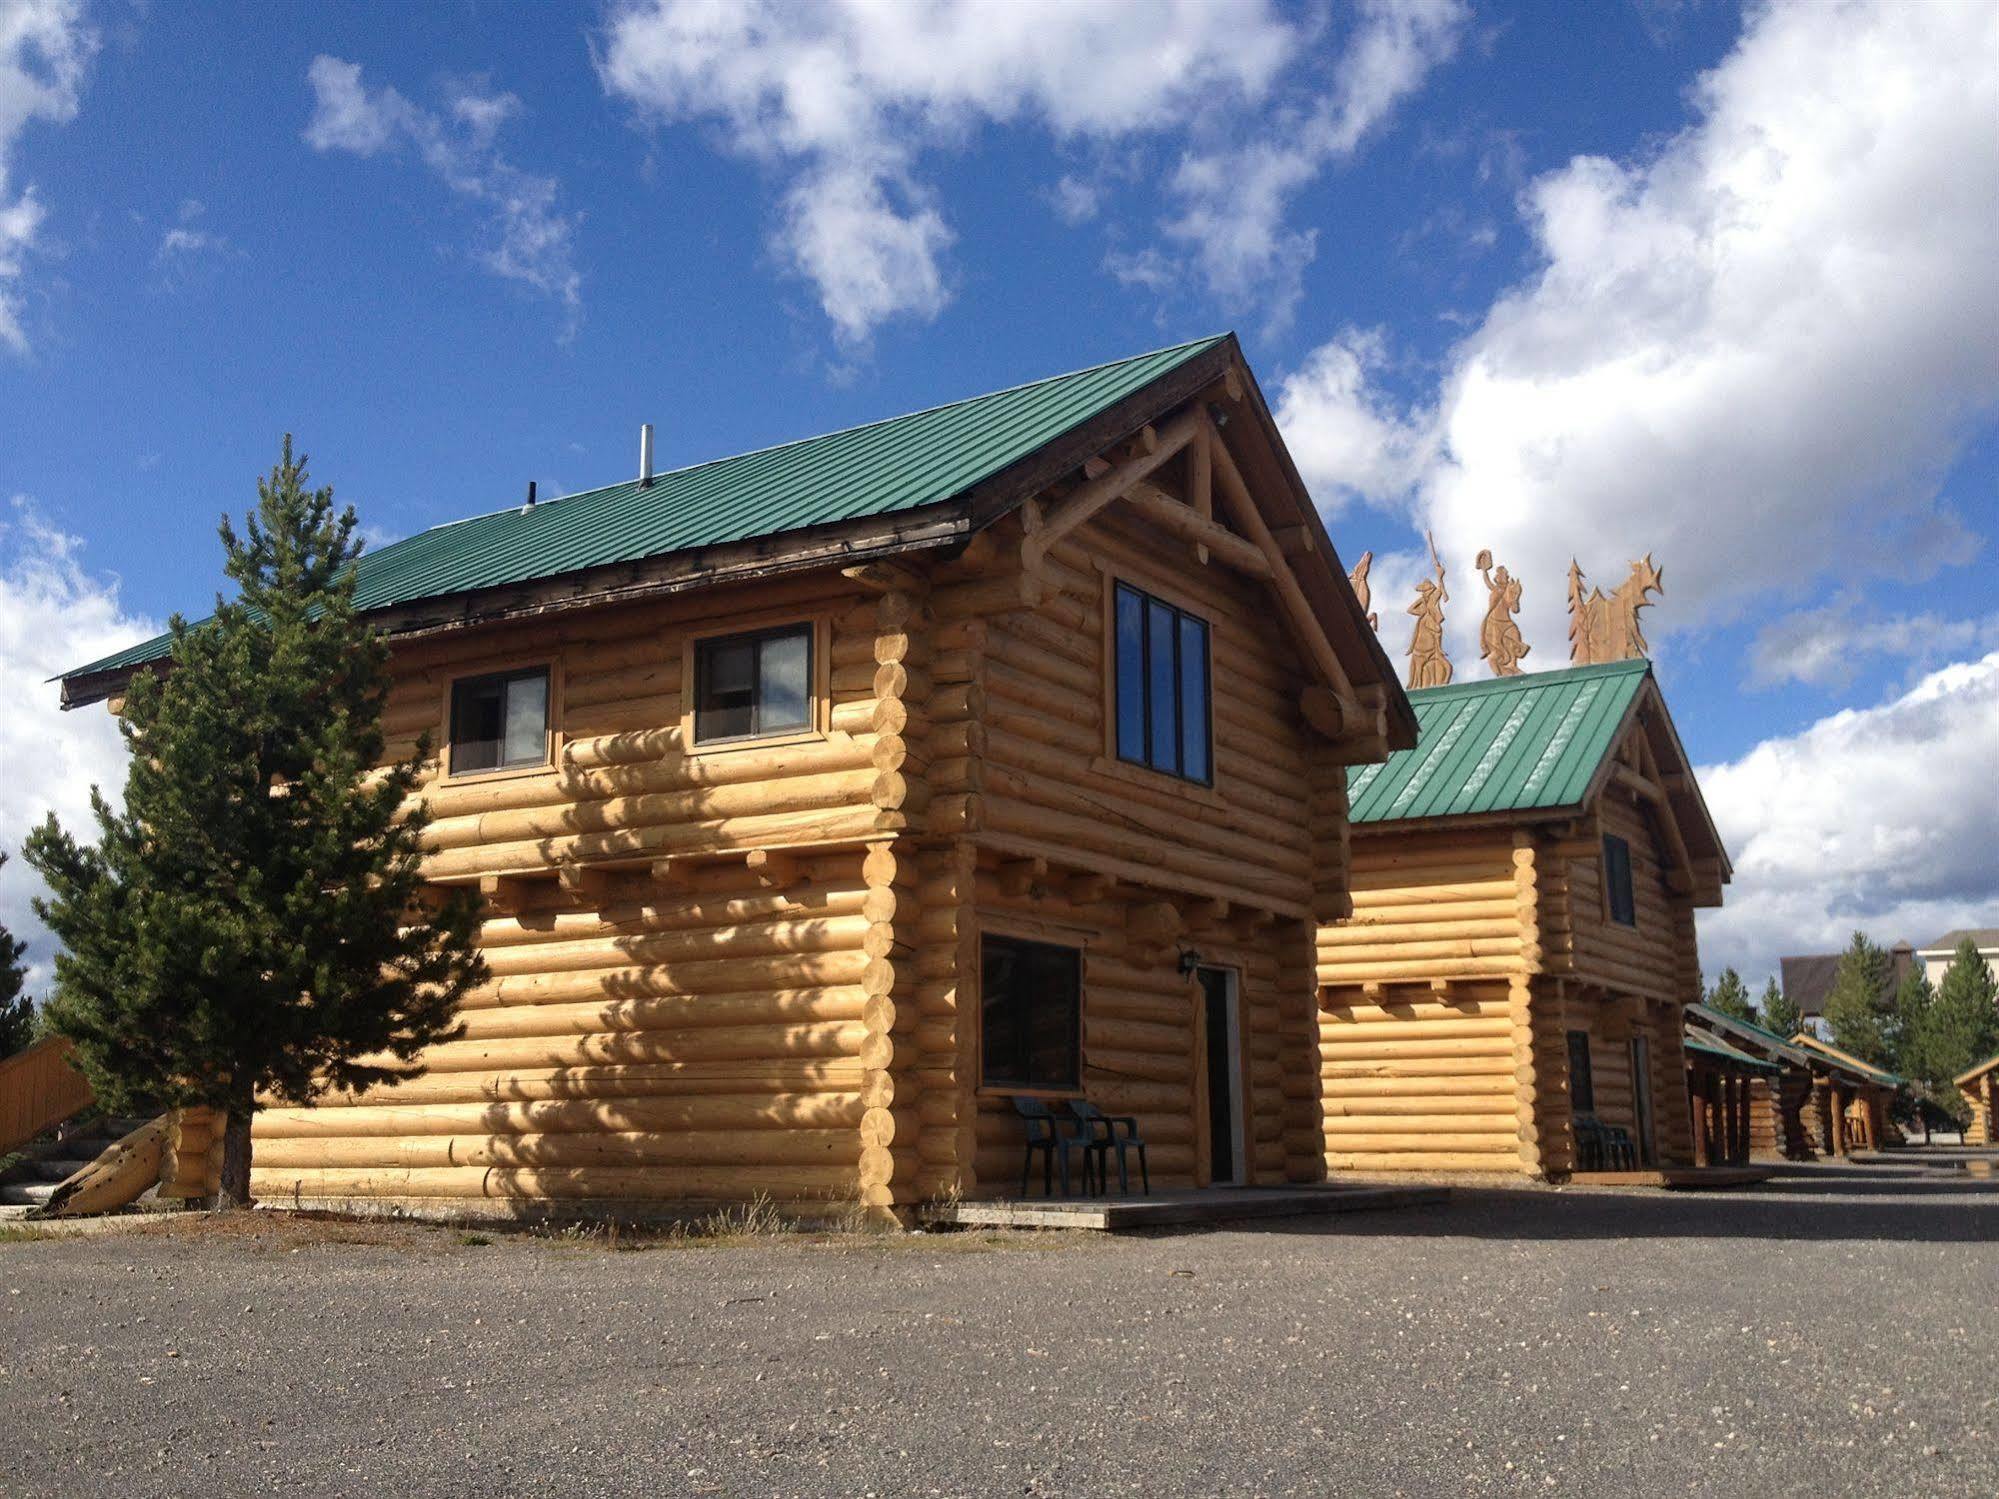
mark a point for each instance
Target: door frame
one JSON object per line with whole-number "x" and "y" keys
{"x": 1644, "y": 1104}
{"x": 1238, "y": 1094}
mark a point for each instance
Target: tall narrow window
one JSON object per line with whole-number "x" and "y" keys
{"x": 752, "y": 686}
{"x": 1162, "y": 686}
{"x": 1582, "y": 1086}
{"x": 1617, "y": 880}
{"x": 499, "y": 721}
{"x": 1031, "y": 1009}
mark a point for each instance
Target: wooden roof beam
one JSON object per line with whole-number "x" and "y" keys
{"x": 1094, "y": 494}
{"x": 1363, "y": 733}
{"x": 1186, "y": 523}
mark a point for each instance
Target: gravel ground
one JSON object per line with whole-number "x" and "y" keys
{"x": 1834, "y": 1332}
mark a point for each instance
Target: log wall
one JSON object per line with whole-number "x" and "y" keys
{"x": 1425, "y": 1025}
{"x": 699, "y": 1029}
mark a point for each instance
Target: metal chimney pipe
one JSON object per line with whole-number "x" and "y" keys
{"x": 530, "y": 504}
{"x": 645, "y": 456}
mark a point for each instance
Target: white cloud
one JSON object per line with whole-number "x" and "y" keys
{"x": 1751, "y": 350}
{"x": 1827, "y": 647}
{"x": 54, "y": 615}
{"x": 1236, "y": 200}
{"x": 842, "y": 97}
{"x": 1882, "y": 819}
{"x": 530, "y": 239}
{"x": 44, "y": 49}
{"x": 1076, "y": 201}
{"x": 185, "y": 242}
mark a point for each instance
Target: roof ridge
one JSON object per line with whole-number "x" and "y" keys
{"x": 1530, "y": 679}
{"x": 1191, "y": 346}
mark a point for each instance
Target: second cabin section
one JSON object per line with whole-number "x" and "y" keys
{"x": 827, "y": 799}
{"x": 1507, "y": 994}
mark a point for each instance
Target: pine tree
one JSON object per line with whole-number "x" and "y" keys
{"x": 1961, "y": 1028}
{"x": 1860, "y": 1007}
{"x": 1780, "y": 1013}
{"x": 1731, "y": 996}
{"x": 1914, "y": 1001}
{"x": 17, "y": 1011}
{"x": 250, "y": 924}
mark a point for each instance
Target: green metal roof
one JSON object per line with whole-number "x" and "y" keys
{"x": 903, "y": 463}
{"x": 1746, "y": 1030}
{"x": 1511, "y": 744}
{"x": 1694, "y": 1041}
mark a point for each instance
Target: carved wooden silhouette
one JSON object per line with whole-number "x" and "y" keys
{"x": 1606, "y": 628}
{"x": 1362, "y": 590}
{"x": 1428, "y": 665}
{"x": 1499, "y": 638}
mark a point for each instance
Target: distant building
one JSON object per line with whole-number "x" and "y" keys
{"x": 1935, "y": 956}
{"x": 1808, "y": 980}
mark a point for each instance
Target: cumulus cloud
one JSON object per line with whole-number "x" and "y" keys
{"x": 54, "y": 615}
{"x": 529, "y": 238}
{"x": 1882, "y": 819}
{"x": 45, "y": 48}
{"x": 1827, "y": 647}
{"x": 842, "y": 98}
{"x": 1234, "y": 201}
{"x": 1752, "y": 349}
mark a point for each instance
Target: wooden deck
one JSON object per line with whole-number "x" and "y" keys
{"x": 1679, "y": 1178}
{"x": 1175, "y": 1209}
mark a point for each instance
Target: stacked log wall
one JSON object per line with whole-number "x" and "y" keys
{"x": 1052, "y": 783}
{"x": 1424, "y": 1009}
{"x": 701, "y": 1029}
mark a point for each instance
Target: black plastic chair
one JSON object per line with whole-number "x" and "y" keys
{"x": 1103, "y": 1132}
{"x": 1046, "y": 1134}
{"x": 1618, "y": 1147}
{"x": 1592, "y": 1143}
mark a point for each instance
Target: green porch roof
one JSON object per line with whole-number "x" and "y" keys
{"x": 1714, "y": 1048}
{"x": 1511, "y": 744}
{"x": 904, "y": 463}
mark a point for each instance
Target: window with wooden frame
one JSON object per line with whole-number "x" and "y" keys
{"x": 500, "y": 721}
{"x": 1030, "y": 1015}
{"x": 1161, "y": 673}
{"x": 1619, "y": 901}
{"x": 756, "y": 685}
{"x": 1582, "y": 1084}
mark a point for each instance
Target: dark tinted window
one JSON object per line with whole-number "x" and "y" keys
{"x": 1162, "y": 686}
{"x": 751, "y": 685}
{"x": 1582, "y": 1085}
{"x": 1617, "y": 880}
{"x": 499, "y": 721}
{"x": 1031, "y": 1003}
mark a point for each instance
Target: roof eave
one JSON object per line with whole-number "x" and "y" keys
{"x": 845, "y": 543}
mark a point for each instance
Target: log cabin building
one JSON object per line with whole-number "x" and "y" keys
{"x": 1719, "y": 1080}
{"x": 1850, "y": 1102}
{"x": 1980, "y": 1086}
{"x": 825, "y": 797}
{"x": 1777, "y": 1091}
{"x": 1512, "y": 979}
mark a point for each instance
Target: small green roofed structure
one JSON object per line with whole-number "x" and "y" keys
{"x": 1777, "y": 1098}
{"x": 1522, "y": 939}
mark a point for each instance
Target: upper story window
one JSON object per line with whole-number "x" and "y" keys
{"x": 1162, "y": 686}
{"x": 1031, "y": 1015}
{"x": 755, "y": 685}
{"x": 1617, "y": 880}
{"x": 499, "y": 721}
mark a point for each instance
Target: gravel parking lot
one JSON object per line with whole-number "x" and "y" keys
{"x": 1833, "y": 1332}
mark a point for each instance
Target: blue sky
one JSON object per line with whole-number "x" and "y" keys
{"x": 1594, "y": 278}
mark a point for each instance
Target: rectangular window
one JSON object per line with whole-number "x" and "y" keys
{"x": 1617, "y": 880}
{"x": 1582, "y": 1086}
{"x": 1162, "y": 686}
{"x": 499, "y": 721}
{"x": 1031, "y": 1008}
{"x": 752, "y": 686}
